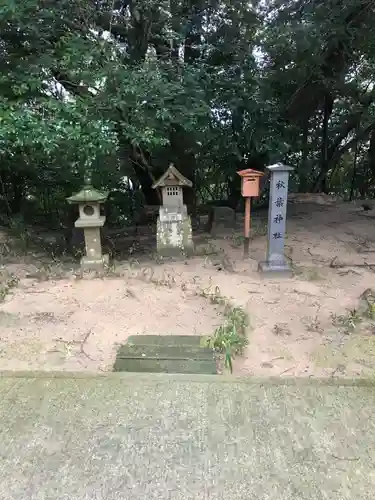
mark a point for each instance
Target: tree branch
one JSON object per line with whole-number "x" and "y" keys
{"x": 351, "y": 123}
{"x": 75, "y": 88}
{"x": 334, "y": 57}
{"x": 360, "y": 136}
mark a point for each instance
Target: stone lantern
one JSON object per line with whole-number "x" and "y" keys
{"x": 89, "y": 201}
{"x": 174, "y": 233}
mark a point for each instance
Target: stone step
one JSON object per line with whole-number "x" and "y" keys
{"x": 186, "y": 340}
{"x": 164, "y": 352}
{"x": 164, "y": 358}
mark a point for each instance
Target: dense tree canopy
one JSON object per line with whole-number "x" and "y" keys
{"x": 124, "y": 87}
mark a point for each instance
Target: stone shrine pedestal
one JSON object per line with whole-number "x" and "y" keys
{"x": 174, "y": 232}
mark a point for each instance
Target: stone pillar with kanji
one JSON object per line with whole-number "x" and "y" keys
{"x": 174, "y": 231}
{"x": 275, "y": 258}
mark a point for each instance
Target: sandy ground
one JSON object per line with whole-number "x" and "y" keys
{"x": 72, "y": 325}
{"x": 299, "y": 326}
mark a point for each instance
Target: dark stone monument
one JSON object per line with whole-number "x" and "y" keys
{"x": 221, "y": 219}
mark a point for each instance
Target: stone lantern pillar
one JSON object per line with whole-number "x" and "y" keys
{"x": 174, "y": 231}
{"x": 89, "y": 201}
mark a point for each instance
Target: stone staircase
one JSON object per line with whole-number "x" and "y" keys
{"x": 165, "y": 354}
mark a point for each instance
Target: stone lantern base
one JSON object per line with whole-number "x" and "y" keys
{"x": 174, "y": 232}
{"x": 94, "y": 259}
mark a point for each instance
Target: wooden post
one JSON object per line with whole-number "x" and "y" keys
{"x": 247, "y": 228}
{"x": 250, "y": 188}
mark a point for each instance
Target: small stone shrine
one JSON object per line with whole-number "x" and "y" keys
{"x": 275, "y": 258}
{"x": 174, "y": 234}
{"x": 89, "y": 201}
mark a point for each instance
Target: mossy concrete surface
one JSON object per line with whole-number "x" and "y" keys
{"x": 136, "y": 436}
{"x": 165, "y": 365}
{"x": 181, "y": 340}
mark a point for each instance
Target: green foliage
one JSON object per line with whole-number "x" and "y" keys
{"x": 348, "y": 322}
{"x": 7, "y": 285}
{"x": 52, "y": 128}
{"x": 230, "y": 338}
{"x": 151, "y": 100}
{"x": 126, "y": 87}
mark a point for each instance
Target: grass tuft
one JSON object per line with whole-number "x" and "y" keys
{"x": 230, "y": 338}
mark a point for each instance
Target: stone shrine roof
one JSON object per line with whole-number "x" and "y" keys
{"x": 172, "y": 177}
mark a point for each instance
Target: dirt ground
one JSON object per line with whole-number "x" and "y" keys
{"x": 309, "y": 325}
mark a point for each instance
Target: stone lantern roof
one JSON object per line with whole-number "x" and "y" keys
{"x": 172, "y": 177}
{"x": 88, "y": 194}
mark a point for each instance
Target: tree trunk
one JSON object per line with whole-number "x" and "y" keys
{"x": 192, "y": 44}
{"x": 184, "y": 160}
{"x": 143, "y": 176}
{"x": 352, "y": 184}
{"x": 303, "y": 177}
{"x": 371, "y": 155}
{"x": 18, "y": 188}
{"x": 336, "y": 57}
{"x": 234, "y": 192}
{"x": 320, "y": 183}
{"x": 129, "y": 155}
{"x": 182, "y": 152}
